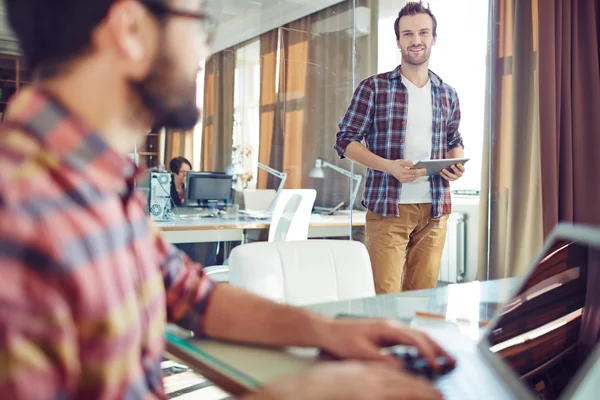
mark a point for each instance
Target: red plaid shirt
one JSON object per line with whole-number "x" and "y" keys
{"x": 87, "y": 282}
{"x": 377, "y": 115}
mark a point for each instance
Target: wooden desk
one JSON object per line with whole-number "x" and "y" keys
{"x": 220, "y": 229}
{"x": 238, "y": 368}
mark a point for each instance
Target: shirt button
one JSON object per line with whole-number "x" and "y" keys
{"x": 405, "y": 106}
{"x": 403, "y": 122}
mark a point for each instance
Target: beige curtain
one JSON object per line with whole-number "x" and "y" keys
{"x": 297, "y": 67}
{"x": 315, "y": 88}
{"x": 333, "y": 83}
{"x": 179, "y": 143}
{"x": 513, "y": 164}
{"x": 270, "y": 108}
{"x": 217, "y": 122}
{"x": 284, "y": 103}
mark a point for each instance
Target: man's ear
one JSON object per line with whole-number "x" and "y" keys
{"x": 398, "y": 44}
{"x": 434, "y": 40}
{"x": 134, "y": 34}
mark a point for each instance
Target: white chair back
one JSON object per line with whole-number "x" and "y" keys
{"x": 258, "y": 199}
{"x": 291, "y": 216}
{"x": 303, "y": 272}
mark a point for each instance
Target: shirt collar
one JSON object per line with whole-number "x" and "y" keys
{"x": 396, "y": 73}
{"x": 67, "y": 137}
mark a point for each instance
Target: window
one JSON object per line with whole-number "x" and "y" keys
{"x": 197, "y": 139}
{"x": 246, "y": 115}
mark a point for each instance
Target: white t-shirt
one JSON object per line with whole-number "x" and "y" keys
{"x": 417, "y": 141}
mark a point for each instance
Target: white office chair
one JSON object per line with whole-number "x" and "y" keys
{"x": 303, "y": 272}
{"x": 291, "y": 216}
{"x": 290, "y": 221}
{"x": 258, "y": 199}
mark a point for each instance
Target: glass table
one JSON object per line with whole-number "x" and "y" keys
{"x": 238, "y": 368}
{"x": 467, "y": 305}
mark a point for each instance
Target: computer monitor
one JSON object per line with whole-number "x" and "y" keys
{"x": 208, "y": 189}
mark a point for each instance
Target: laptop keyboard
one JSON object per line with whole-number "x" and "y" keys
{"x": 469, "y": 381}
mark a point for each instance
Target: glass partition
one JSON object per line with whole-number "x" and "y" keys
{"x": 280, "y": 77}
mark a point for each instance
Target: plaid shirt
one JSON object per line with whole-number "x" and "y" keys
{"x": 87, "y": 283}
{"x": 377, "y": 115}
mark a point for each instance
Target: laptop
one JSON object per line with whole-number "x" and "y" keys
{"x": 543, "y": 342}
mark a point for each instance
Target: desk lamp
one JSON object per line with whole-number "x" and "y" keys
{"x": 319, "y": 173}
{"x": 278, "y": 174}
{"x": 238, "y": 170}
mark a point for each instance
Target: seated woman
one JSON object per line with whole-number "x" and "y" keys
{"x": 204, "y": 253}
{"x": 179, "y": 167}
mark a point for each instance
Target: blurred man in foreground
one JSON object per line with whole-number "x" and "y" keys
{"x": 87, "y": 283}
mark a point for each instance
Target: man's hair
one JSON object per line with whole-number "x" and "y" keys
{"x": 52, "y": 32}
{"x": 414, "y": 8}
{"x": 177, "y": 162}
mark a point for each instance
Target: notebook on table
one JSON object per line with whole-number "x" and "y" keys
{"x": 238, "y": 368}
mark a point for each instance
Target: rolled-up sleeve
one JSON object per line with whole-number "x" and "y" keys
{"x": 188, "y": 288}
{"x": 357, "y": 121}
{"x": 454, "y": 139}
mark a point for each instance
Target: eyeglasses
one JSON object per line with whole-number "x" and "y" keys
{"x": 206, "y": 23}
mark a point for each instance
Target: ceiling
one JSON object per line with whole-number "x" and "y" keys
{"x": 226, "y": 9}
{"x": 239, "y": 20}
{"x": 242, "y": 20}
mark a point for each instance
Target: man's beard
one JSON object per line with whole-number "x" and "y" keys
{"x": 171, "y": 104}
{"x": 409, "y": 59}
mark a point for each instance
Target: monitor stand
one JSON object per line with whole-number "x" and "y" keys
{"x": 212, "y": 205}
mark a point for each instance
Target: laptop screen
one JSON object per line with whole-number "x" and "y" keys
{"x": 545, "y": 333}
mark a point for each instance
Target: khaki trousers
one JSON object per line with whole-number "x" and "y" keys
{"x": 406, "y": 251}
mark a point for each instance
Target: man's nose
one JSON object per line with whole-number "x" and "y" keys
{"x": 416, "y": 40}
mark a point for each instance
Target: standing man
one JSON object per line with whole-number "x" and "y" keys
{"x": 87, "y": 282}
{"x": 405, "y": 115}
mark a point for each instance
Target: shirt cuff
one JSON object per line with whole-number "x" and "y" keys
{"x": 457, "y": 145}
{"x": 341, "y": 145}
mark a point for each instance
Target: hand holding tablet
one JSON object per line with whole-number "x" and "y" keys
{"x": 435, "y": 167}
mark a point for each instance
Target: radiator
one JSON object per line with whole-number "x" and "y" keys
{"x": 454, "y": 257}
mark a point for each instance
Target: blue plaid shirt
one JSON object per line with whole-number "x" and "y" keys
{"x": 377, "y": 115}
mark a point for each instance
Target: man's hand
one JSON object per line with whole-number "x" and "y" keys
{"x": 457, "y": 171}
{"x": 400, "y": 169}
{"x": 362, "y": 339}
{"x": 348, "y": 380}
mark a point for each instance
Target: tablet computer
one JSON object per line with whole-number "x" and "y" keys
{"x": 435, "y": 167}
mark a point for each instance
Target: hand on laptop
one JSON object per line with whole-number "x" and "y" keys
{"x": 348, "y": 380}
{"x": 362, "y": 339}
